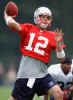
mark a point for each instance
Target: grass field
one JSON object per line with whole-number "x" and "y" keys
{"x": 6, "y": 91}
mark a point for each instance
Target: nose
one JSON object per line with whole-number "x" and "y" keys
{"x": 45, "y": 18}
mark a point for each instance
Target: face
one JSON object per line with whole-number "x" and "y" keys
{"x": 66, "y": 68}
{"x": 45, "y": 21}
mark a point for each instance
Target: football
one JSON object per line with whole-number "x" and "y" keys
{"x": 11, "y": 9}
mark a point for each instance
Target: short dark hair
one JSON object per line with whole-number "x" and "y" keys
{"x": 67, "y": 61}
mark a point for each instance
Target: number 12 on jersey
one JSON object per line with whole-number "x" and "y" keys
{"x": 38, "y": 44}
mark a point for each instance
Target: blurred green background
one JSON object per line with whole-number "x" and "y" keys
{"x": 9, "y": 41}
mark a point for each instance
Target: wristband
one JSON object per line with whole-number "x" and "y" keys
{"x": 61, "y": 54}
{"x": 9, "y": 19}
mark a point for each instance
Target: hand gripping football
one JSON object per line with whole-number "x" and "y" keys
{"x": 11, "y": 9}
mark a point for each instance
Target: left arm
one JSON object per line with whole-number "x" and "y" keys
{"x": 60, "y": 54}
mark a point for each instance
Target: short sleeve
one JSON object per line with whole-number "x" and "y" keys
{"x": 25, "y": 28}
{"x": 52, "y": 70}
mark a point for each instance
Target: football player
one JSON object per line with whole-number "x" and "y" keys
{"x": 62, "y": 73}
{"x": 36, "y": 45}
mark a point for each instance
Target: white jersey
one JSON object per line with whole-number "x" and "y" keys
{"x": 65, "y": 81}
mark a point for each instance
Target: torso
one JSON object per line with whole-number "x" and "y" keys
{"x": 37, "y": 44}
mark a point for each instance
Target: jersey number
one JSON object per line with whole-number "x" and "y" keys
{"x": 63, "y": 85}
{"x": 38, "y": 44}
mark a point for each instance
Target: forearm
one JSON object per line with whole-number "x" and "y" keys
{"x": 59, "y": 47}
{"x": 11, "y": 22}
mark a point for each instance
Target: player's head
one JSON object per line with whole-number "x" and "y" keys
{"x": 43, "y": 17}
{"x": 66, "y": 65}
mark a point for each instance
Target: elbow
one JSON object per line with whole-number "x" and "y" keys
{"x": 14, "y": 26}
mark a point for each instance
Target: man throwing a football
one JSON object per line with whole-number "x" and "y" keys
{"x": 36, "y": 45}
